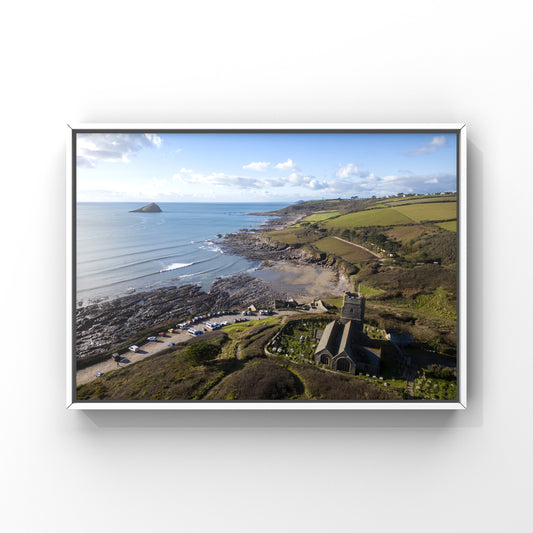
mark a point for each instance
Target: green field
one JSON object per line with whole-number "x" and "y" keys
{"x": 348, "y": 252}
{"x": 375, "y": 217}
{"x": 291, "y": 235}
{"x": 451, "y": 225}
{"x": 406, "y": 233}
{"x": 428, "y": 211}
{"x": 318, "y": 217}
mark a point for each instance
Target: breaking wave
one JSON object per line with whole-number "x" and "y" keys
{"x": 175, "y": 266}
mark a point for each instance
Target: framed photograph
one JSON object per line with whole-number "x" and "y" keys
{"x": 266, "y": 266}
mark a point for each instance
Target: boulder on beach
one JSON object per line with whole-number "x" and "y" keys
{"x": 150, "y": 208}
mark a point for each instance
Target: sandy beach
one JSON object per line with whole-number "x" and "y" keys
{"x": 303, "y": 282}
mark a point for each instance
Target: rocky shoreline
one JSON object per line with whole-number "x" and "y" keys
{"x": 103, "y": 325}
{"x": 252, "y": 244}
{"x": 107, "y": 323}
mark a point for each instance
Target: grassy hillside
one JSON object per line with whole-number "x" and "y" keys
{"x": 415, "y": 240}
{"x": 424, "y": 212}
{"x": 348, "y": 252}
{"x": 385, "y": 216}
{"x": 228, "y": 365}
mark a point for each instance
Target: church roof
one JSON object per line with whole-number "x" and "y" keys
{"x": 328, "y": 340}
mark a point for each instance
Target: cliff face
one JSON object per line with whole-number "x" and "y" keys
{"x": 150, "y": 208}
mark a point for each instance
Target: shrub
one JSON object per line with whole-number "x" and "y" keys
{"x": 200, "y": 353}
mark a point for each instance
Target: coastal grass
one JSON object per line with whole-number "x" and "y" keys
{"x": 322, "y": 384}
{"x": 259, "y": 379}
{"x": 440, "y": 303}
{"x": 368, "y": 291}
{"x": 385, "y": 216}
{"x": 176, "y": 374}
{"x": 319, "y": 217}
{"x": 418, "y": 199}
{"x": 334, "y": 302}
{"x": 404, "y": 234}
{"x": 292, "y": 236}
{"x": 243, "y": 326}
{"x": 429, "y": 211}
{"x": 451, "y": 225}
{"x": 346, "y": 251}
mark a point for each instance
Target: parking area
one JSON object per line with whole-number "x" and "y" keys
{"x": 160, "y": 343}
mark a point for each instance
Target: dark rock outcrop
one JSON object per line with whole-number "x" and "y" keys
{"x": 150, "y": 208}
{"x": 103, "y": 325}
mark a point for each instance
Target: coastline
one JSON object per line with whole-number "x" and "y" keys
{"x": 284, "y": 273}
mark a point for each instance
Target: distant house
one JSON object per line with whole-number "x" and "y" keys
{"x": 320, "y": 306}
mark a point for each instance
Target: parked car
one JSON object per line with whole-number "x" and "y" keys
{"x": 152, "y": 338}
{"x": 99, "y": 374}
{"x": 134, "y": 348}
{"x": 170, "y": 344}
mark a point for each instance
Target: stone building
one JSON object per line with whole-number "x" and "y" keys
{"x": 342, "y": 345}
{"x": 353, "y": 308}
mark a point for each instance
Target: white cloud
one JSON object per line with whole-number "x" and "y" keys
{"x": 288, "y": 165}
{"x": 260, "y": 166}
{"x": 438, "y": 141}
{"x": 432, "y": 180}
{"x": 352, "y": 171}
{"x": 186, "y": 171}
{"x": 111, "y": 147}
{"x": 429, "y": 147}
{"x": 347, "y": 171}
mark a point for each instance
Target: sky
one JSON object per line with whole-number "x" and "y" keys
{"x": 261, "y": 167}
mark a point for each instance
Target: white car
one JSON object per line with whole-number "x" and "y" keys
{"x": 134, "y": 348}
{"x": 152, "y": 338}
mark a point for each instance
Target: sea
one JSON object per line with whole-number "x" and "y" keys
{"x": 119, "y": 252}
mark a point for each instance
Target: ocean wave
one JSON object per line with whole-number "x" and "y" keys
{"x": 211, "y": 246}
{"x": 175, "y": 266}
{"x": 136, "y": 252}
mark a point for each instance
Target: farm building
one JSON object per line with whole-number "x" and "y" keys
{"x": 342, "y": 345}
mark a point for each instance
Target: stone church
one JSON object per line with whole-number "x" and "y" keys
{"x": 342, "y": 345}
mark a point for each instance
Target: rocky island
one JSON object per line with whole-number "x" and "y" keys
{"x": 150, "y": 208}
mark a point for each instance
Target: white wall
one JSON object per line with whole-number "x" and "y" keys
{"x": 277, "y": 61}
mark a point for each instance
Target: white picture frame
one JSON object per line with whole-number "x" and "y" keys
{"x": 458, "y": 129}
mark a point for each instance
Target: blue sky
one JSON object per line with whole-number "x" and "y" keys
{"x": 222, "y": 167}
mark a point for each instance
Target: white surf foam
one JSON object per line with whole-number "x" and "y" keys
{"x": 175, "y": 266}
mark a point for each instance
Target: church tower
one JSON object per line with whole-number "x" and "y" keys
{"x": 353, "y": 308}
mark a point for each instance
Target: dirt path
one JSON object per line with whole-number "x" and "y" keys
{"x": 359, "y": 246}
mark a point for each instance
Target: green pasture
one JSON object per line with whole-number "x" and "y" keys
{"x": 451, "y": 225}
{"x": 428, "y": 211}
{"x": 374, "y": 217}
{"x": 291, "y": 235}
{"x": 319, "y": 217}
{"x": 348, "y": 252}
{"x": 405, "y": 234}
